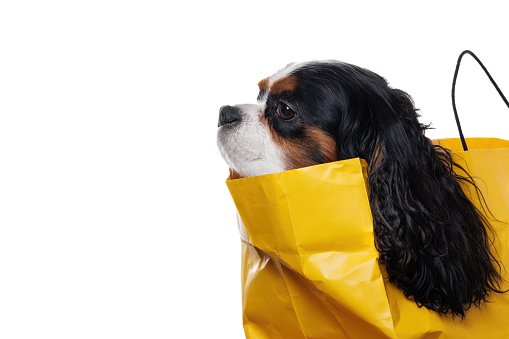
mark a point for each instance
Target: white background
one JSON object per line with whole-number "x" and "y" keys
{"x": 115, "y": 221}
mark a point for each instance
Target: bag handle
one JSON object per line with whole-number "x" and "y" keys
{"x": 454, "y": 91}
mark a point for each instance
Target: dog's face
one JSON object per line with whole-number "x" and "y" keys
{"x": 306, "y": 114}
{"x": 291, "y": 125}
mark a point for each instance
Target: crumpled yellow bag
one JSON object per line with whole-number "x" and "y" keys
{"x": 309, "y": 264}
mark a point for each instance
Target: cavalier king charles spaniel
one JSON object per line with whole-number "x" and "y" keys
{"x": 433, "y": 242}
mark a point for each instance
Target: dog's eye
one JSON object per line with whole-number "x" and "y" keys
{"x": 285, "y": 112}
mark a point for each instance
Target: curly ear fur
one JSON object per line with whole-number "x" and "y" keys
{"x": 432, "y": 240}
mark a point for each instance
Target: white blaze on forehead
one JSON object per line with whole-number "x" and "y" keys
{"x": 284, "y": 72}
{"x": 290, "y": 68}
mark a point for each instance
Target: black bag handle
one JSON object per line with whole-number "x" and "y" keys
{"x": 454, "y": 91}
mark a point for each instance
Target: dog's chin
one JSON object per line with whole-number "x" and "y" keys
{"x": 252, "y": 171}
{"x": 248, "y": 150}
{"x": 242, "y": 168}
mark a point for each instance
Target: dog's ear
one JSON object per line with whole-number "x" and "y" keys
{"x": 432, "y": 240}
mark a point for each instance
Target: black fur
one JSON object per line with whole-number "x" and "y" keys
{"x": 432, "y": 240}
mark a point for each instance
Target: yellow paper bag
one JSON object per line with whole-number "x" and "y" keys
{"x": 310, "y": 268}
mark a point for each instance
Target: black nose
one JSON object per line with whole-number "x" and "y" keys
{"x": 228, "y": 115}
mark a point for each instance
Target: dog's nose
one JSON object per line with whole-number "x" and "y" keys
{"x": 228, "y": 115}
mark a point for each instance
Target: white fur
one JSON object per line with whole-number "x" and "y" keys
{"x": 247, "y": 147}
{"x": 284, "y": 72}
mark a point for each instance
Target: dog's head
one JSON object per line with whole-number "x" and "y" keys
{"x": 311, "y": 113}
{"x": 432, "y": 240}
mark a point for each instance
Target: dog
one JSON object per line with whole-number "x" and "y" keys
{"x": 433, "y": 242}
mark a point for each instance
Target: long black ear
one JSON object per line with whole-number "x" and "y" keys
{"x": 432, "y": 240}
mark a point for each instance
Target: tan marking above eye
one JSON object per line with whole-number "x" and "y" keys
{"x": 263, "y": 84}
{"x": 286, "y": 84}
